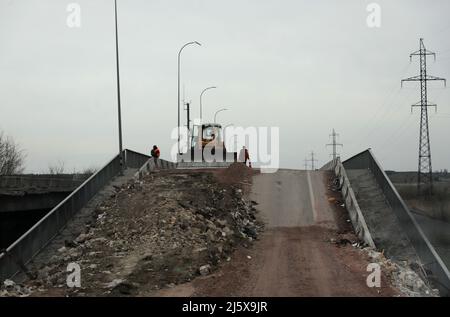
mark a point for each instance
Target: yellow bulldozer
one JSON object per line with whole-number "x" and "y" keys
{"x": 207, "y": 148}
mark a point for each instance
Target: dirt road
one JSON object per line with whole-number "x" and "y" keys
{"x": 295, "y": 256}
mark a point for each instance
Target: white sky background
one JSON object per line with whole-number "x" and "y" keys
{"x": 305, "y": 66}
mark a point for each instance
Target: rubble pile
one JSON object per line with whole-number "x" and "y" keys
{"x": 407, "y": 281}
{"x": 153, "y": 233}
{"x": 11, "y": 289}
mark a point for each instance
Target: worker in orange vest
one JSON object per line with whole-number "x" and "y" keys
{"x": 244, "y": 156}
{"x": 155, "y": 153}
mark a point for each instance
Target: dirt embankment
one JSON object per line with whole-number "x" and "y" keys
{"x": 164, "y": 230}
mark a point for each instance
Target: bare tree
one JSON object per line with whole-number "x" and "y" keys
{"x": 57, "y": 168}
{"x": 89, "y": 170}
{"x": 12, "y": 158}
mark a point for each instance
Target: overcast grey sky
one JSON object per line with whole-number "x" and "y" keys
{"x": 304, "y": 66}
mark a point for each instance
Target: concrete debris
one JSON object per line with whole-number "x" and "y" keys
{"x": 12, "y": 289}
{"x": 410, "y": 283}
{"x": 165, "y": 229}
{"x": 407, "y": 281}
{"x": 114, "y": 283}
{"x": 9, "y": 283}
{"x": 62, "y": 249}
{"x": 81, "y": 238}
{"x": 344, "y": 239}
{"x": 205, "y": 269}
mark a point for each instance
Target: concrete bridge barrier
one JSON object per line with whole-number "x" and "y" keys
{"x": 434, "y": 266}
{"x": 151, "y": 165}
{"x": 356, "y": 216}
{"x": 40, "y": 183}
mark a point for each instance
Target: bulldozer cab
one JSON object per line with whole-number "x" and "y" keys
{"x": 206, "y": 140}
{"x": 207, "y": 133}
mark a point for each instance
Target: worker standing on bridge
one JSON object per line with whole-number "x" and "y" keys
{"x": 155, "y": 154}
{"x": 244, "y": 156}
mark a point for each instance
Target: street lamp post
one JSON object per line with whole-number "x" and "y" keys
{"x": 225, "y": 136}
{"x": 122, "y": 159}
{"x": 220, "y": 110}
{"x": 179, "y": 55}
{"x": 201, "y": 95}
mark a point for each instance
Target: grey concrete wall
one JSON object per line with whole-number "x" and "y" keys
{"x": 381, "y": 219}
{"x": 14, "y": 224}
{"x": 40, "y": 183}
{"x": 351, "y": 204}
{"x": 18, "y": 213}
{"x": 432, "y": 262}
{"x": 11, "y": 203}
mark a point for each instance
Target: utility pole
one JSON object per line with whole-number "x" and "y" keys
{"x": 306, "y": 164}
{"x": 312, "y": 160}
{"x": 334, "y": 144}
{"x": 425, "y": 171}
{"x": 188, "y": 121}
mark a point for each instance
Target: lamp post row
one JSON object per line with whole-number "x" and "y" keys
{"x": 119, "y": 112}
{"x": 201, "y": 95}
{"x": 178, "y": 103}
{"x": 220, "y": 110}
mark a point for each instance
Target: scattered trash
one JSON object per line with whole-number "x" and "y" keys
{"x": 12, "y": 289}
{"x": 205, "y": 269}
{"x": 9, "y": 283}
{"x": 403, "y": 278}
{"x": 113, "y": 283}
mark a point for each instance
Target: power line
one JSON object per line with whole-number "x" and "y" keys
{"x": 312, "y": 160}
{"x": 425, "y": 171}
{"x": 334, "y": 144}
{"x": 377, "y": 126}
{"x": 375, "y": 118}
{"x": 396, "y": 137}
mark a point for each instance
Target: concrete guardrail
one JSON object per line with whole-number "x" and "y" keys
{"x": 432, "y": 262}
{"x": 351, "y": 204}
{"x": 151, "y": 165}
